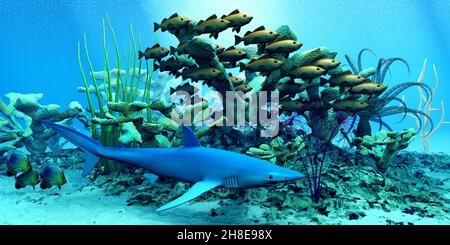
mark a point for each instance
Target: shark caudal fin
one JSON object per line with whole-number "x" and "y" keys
{"x": 91, "y": 147}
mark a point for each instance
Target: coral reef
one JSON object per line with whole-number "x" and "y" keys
{"x": 21, "y": 127}
{"x": 384, "y": 146}
{"x": 425, "y": 105}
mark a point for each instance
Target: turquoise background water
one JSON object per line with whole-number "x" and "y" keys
{"x": 38, "y": 39}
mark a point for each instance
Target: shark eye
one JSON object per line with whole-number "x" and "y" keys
{"x": 270, "y": 176}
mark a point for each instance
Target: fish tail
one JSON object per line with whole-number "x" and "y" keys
{"x": 241, "y": 66}
{"x": 155, "y": 66}
{"x": 237, "y": 39}
{"x": 92, "y": 148}
{"x": 141, "y": 54}
{"x": 156, "y": 26}
{"x": 172, "y": 50}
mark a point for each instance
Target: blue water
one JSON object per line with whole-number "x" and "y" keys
{"x": 38, "y": 42}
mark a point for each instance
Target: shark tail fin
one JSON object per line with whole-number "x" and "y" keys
{"x": 92, "y": 148}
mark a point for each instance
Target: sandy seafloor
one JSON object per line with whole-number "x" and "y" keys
{"x": 80, "y": 202}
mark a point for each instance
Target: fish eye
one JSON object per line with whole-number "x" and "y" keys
{"x": 276, "y": 61}
{"x": 358, "y": 77}
{"x": 361, "y": 103}
{"x": 213, "y": 70}
{"x": 318, "y": 68}
{"x": 182, "y": 19}
{"x": 240, "y": 52}
{"x": 245, "y": 16}
{"x": 333, "y": 61}
{"x": 294, "y": 43}
{"x": 378, "y": 85}
{"x": 271, "y": 32}
{"x": 270, "y": 176}
{"x": 222, "y": 21}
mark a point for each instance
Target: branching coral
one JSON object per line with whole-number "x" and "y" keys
{"x": 21, "y": 125}
{"x": 384, "y": 146}
{"x": 425, "y": 105}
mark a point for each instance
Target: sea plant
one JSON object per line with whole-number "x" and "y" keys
{"x": 120, "y": 90}
{"x": 379, "y": 104}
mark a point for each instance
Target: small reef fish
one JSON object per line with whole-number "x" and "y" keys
{"x": 235, "y": 80}
{"x": 219, "y": 49}
{"x": 30, "y": 178}
{"x": 232, "y": 55}
{"x": 306, "y": 72}
{"x": 237, "y": 20}
{"x": 52, "y": 176}
{"x": 201, "y": 73}
{"x": 16, "y": 164}
{"x": 283, "y": 46}
{"x": 259, "y": 36}
{"x": 346, "y": 79}
{"x": 173, "y": 65}
{"x": 173, "y": 23}
{"x": 188, "y": 88}
{"x": 212, "y": 25}
{"x": 156, "y": 52}
{"x": 244, "y": 88}
{"x": 369, "y": 88}
{"x": 265, "y": 65}
{"x": 291, "y": 88}
{"x": 349, "y": 105}
{"x": 292, "y": 106}
{"x": 327, "y": 63}
{"x": 181, "y": 49}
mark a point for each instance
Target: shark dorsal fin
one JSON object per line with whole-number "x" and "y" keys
{"x": 260, "y": 28}
{"x": 236, "y": 11}
{"x": 173, "y": 16}
{"x": 156, "y": 45}
{"x": 190, "y": 140}
{"x": 214, "y": 16}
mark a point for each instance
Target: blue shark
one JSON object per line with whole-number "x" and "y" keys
{"x": 206, "y": 167}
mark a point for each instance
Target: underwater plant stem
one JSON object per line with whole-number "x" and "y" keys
{"x": 88, "y": 95}
{"x": 133, "y": 76}
{"x": 105, "y": 51}
{"x": 91, "y": 68}
{"x": 147, "y": 89}
{"x": 119, "y": 68}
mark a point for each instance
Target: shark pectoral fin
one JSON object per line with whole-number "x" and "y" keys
{"x": 152, "y": 178}
{"x": 196, "y": 190}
